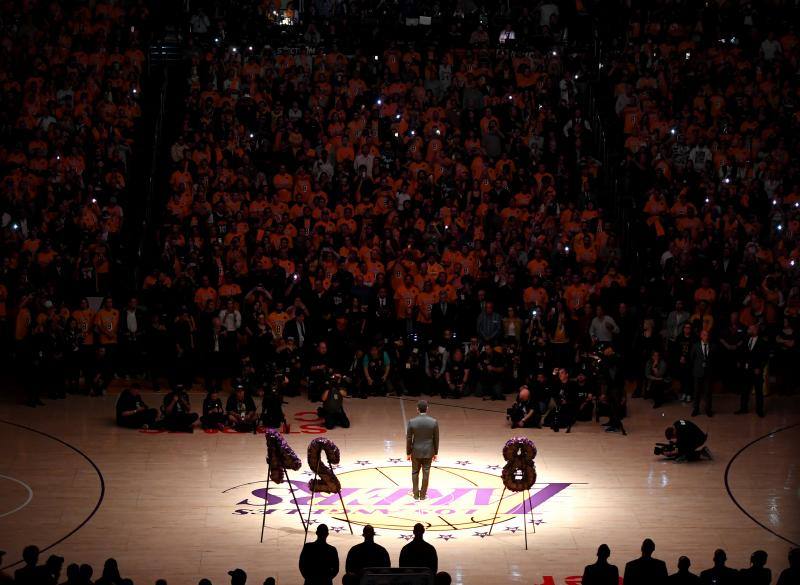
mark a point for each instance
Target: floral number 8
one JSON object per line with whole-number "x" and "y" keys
{"x": 519, "y": 473}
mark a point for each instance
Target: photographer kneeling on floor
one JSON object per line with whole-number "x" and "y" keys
{"x": 686, "y": 442}
{"x": 524, "y": 412}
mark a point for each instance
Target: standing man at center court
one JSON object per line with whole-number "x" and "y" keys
{"x": 422, "y": 447}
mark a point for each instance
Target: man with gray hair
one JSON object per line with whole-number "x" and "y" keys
{"x": 422, "y": 447}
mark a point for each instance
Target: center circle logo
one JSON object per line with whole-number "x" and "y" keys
{"x": 458, "y": 498}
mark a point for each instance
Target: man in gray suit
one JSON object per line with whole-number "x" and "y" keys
{"x": 422, "y": 447}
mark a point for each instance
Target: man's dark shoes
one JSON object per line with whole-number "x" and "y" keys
{"x": 741, "y": 411}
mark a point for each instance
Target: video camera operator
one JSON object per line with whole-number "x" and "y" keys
{"x": 686, "y": 442}
{"x": 333, "y": 394}
{"x": 524, "y": 413}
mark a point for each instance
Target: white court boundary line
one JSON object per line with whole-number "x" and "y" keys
{"x": 27, "y": 488}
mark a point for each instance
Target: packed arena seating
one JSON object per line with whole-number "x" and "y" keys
{"x": 437, "y": 212}
{"x": 707, "y": 122}
{"x": 71, "y": 77}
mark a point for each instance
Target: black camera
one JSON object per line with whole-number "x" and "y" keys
{"x": 660, "y": 448}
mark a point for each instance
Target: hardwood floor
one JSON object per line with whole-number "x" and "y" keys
{"x": 186, "y": 506}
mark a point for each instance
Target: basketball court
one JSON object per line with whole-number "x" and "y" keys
{"x": 186, "y": 506}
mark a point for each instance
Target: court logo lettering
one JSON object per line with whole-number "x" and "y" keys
{"x": 458, "y": 499}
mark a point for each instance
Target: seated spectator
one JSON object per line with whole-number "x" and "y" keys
{"x": 177, "y": 409}
{"x": 214, "y": 414}
{"x": 524, "y": 413}
{"x": 241, "y": 410}
{"x": 132, "y": 412}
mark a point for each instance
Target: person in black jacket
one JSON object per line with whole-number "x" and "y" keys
{"x": 213, "y": 412}
{"x": 757, "y": 573}
{"x": 319, "y": 561}
{"x": 646, "y": 570}
{"x": 30, "y": 574}
{"x": 791, "y": 575}
{"x": 419, "y": 553}
{"x": 686, "y": 441}
{"x": 703, "y": 358}
{"x": 719, "y": 574}
{"x": 601, "y": 572}
{"x": 332, "y": 409}
{"x": 367, "y": 554}
{"x": 132, "y": 412}
{"x": 524, "y": 413}
{"x": 178, "y": 415}
{"x": 683, "y": 576}
{"x": 241, "y": 410}
{"x": 754, "y": 358}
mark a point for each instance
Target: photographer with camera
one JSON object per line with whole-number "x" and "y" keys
{"x": 332, "y": 410}
{"x": 376, "y": 366}
{"x": 456, "y": 376}
{"x": 132, "y": 412}
{"x": 318, "y": 371}
{"x": 177, "y": 408}
{"x": 214, "y": 416}
{"x": 241, "y": 410}
{"x": 524, "y": 413}
{"x": 288, "y": 360}
{"x": 585, "y": 393}
{"x": 561, "y": 412}
{"x": 686, "y": 442}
